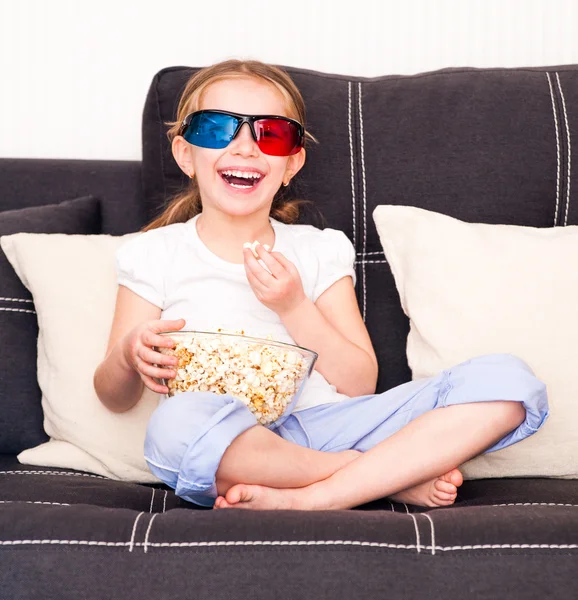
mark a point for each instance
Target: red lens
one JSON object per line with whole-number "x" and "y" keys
{"x": 277, "y": 137}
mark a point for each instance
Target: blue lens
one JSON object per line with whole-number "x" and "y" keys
{"x": 211, "y": 130}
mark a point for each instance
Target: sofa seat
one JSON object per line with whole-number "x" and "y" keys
{"x": 41, "y": 503}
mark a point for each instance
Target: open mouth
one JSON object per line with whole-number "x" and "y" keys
{"x": 242, "y": 180}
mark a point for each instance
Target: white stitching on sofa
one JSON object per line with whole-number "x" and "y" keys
{"x": 417, "y": 540}
{"x": 131, "y": 543}
{"x": 296, "y": 543}
{"x": 152, "y": 501}
{"x": 165, "y": 501}
{"x": 368, "y": 253}
{"x": 364, "y": 544}
{"x": 371, "y": 262}
{"x": 511, "y": 546}
{"x": 433, "y": 535}
{"x": 50, "y": 473}
{"x": 557, "y": 150}
{"x": 362, "y": 143}
{"x": 351, "y": 161}
{"x": 72, "y": 542}
{"x": 32, "y": 502}
{"x": 16, "y": 300}
{"x": 22, "y": 310}
{"x": 569, "y": 150}
{"x": 146, "y": 540}
{"x": 533, "y": 504}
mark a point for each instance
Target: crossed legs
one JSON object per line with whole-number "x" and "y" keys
{"x": 416, "y": 464}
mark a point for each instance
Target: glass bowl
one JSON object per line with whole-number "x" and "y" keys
{"x": 266, "y": 375}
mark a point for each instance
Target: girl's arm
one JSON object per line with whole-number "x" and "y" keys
{"x": 119, "y": 380}
{"x": 332, "y": 326}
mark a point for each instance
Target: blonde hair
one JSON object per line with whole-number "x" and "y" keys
{"x": 186, "y": 204}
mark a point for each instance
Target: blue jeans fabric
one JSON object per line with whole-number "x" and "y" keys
{"x": 188, "y": 434}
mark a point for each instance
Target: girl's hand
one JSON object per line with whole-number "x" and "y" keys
{"x": 137, "y": 349}
{"x": 281, "y": 290}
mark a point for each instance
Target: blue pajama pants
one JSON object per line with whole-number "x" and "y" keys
{"x": 188, "y": 434}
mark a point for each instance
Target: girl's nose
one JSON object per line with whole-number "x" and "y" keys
{"x": 244, "y": 144}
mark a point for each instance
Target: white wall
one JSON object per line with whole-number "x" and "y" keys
{"x": 74, "y": 74}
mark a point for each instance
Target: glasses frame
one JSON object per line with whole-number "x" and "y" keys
{"x": 249, "y": 119}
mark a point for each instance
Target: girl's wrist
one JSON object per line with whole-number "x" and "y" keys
{"x": 290, "y": 315}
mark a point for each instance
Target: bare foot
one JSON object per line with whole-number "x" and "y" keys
{"x": 441, "y": 491}
{"x": 259, "y": 497}
{"x": 339, "y": 460}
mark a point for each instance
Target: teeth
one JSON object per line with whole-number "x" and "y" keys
{"x": 243, "y": 174}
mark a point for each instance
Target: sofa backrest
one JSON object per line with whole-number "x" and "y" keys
{"x": 481, "y": 145}
{"x": 28, "y": 182}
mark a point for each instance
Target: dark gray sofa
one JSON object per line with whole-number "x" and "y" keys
{"x": 482, "y": 145}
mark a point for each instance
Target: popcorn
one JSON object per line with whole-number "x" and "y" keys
{"x": 253, "y": 247}
{"x": 264, "y": 377}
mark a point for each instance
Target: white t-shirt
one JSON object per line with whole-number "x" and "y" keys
{"x": 173, "y": 269}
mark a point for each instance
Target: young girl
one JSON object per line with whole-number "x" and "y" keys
{"x": 240, "y": 138}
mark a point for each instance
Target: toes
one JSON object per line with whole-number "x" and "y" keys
{"x": 444, "y": 486}
{"x": 456, "y": 477}
{"x": 239, "y": 494}
{"x": 233, "y": 495}
{"x": 445, "y": 497}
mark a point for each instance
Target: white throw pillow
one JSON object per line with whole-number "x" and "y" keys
{"x": 72, "y": 279}
{"x": 472, "y": 289}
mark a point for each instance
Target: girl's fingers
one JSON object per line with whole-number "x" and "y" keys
{"x": 152, "y": 371}
{"x": 167, "y": 325}
{"x": 256, "y": 269}
{"x": 285, "y": 263}
{"x": 255, "y": 283}
{"x": 149, "y": 338}
{"x": 273, "y": 264}
{"x": 150, "y": 356}
{"x": 154, "y": 386}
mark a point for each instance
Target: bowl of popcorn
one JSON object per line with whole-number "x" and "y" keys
{"x": 268, "y": 376}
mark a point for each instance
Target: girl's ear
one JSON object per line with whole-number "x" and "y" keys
{"x": 182, "y": 153}
{"x": 294, "y": 164}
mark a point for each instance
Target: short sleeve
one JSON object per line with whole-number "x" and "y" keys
{"x": 139, "y": 266}
{"x": 336, "y": 259}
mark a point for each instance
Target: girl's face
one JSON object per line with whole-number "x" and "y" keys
{"x": 239, "y": 180}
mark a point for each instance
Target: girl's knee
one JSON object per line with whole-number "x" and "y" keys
{"x": 512, "y": 413}
{"x": 187, "y": 436}
{"x": 173, "y": 424}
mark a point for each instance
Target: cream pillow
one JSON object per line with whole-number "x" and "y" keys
{"x": 72, "y": 279}
{"x": 473, "y": 289}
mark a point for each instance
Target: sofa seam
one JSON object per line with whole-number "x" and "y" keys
{"x": 358, "y": 543}
{"x": 556, "y": 127}
{"x": 569, "y": 154}
{"x": 401, "y": 76}
{"x": 418, "y": 545}
{"x": 351, "y": 159}
{"x": 364, "y": 196}
{"x": 67, "y": 473}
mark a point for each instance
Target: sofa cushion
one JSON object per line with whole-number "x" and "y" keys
{"x": 117, "y": 183}
{"x": 471, "y": 289}
{"x": 53, "y": 485}
{"x": 20, "y": 410}
{"x": 65, "y": 524}
{"x": 72, "y": 279}
{"x": 490, "y": 145}
{"x": 62, "y": 487}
